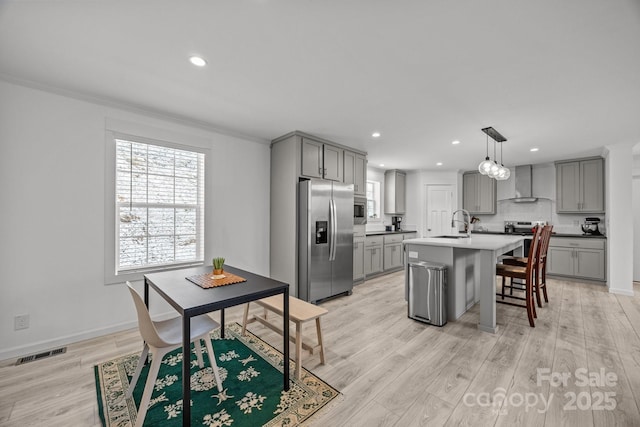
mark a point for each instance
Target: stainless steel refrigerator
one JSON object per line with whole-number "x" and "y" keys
{"x": 325, "y": 239}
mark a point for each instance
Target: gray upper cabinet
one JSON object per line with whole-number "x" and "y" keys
{"x": 478, "y": 193}
{"x": 321, "y": 160}
{"x": 395, "y": 182}
{"x": 580, "y": 186}
{"x": 312, "y": 158}
{"x": 355, "y": 172}
{"x": 333, "y": 158}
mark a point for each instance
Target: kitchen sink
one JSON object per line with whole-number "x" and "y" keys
{"x": 453, "y": 236}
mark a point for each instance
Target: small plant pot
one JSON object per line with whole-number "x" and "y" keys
{"x": 218, "y": 271}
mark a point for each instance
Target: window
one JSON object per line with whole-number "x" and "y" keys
{"x": 373, "y": 201}
{"x": 159, "y": 206}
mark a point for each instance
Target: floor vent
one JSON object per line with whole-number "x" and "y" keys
{"x": 42, "y": 355}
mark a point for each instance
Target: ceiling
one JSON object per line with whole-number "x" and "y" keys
{"x": 560, "y": 76}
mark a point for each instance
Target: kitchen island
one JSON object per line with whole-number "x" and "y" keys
{"x": 471, "y": 270}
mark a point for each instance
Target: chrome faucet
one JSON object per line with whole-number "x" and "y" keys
{"x": 467, "y": 222}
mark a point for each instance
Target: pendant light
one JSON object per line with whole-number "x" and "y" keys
{"x": 493, "y": 169}
{"x": 485, "y": 166}
{"x": 504, "y": 173}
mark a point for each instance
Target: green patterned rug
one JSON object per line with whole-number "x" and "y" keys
{"x": 251, "y": 373}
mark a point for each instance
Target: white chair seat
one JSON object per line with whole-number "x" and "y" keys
{"x": 170, "y": 331}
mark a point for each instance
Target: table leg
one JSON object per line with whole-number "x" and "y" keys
{"x": 186, "y": 371}
{"x": 298, "y": 350}
{"x": 146, "y": 293}
{"x": 488, "y": 292}
{"x": 222, "y": 323}
{"x": 285, "y": 336}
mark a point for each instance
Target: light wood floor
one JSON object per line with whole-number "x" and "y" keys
{"x": 394, "y": 371}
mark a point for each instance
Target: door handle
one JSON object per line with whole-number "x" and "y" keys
{"x": 333, "y": 225}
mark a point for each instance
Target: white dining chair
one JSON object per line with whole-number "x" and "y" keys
{"x": 163, "y": 337}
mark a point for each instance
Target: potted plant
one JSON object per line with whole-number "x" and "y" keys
{"x": 218, "y": 263}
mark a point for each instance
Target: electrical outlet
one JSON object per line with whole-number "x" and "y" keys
{"x": 21, "y": 322}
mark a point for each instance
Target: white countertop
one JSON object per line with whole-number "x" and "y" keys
{"x": 490, "y": 241}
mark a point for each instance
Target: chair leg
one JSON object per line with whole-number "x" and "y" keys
{"x": 136, "y": 374}
{"x": 148, "y": 388}
{"x": 544, "y": 283}
{"x": 212, "y": 360}
{"x": 511, "y": 284}
{"x": 196, "y": 344}
{"x": 503, "y": 283}
{"x": 530, "y": 307}
{"x": 537, "y": 287}
{"x": 245, "y": 318}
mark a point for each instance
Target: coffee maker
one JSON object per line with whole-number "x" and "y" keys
{"x": 590, "y": 226}
{"x": 395, "y": 223}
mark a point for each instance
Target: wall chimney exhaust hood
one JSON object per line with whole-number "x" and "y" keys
{"x": 524, "y": 183}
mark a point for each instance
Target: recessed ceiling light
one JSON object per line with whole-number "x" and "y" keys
{"x": 381, "y": 165}
{"x": 456, "y": 142}
{"x": 376, "y": 135}
{"x": 534, "y": 149}
{"x": 197, "y": 61}
{"x": 439, "y": 164}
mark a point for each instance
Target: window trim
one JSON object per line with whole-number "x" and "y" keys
{"x": 111, "y": 218}
{"x": 377, "y": 199}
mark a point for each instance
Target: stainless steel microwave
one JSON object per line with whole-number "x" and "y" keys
{"x": 359, "y": 210}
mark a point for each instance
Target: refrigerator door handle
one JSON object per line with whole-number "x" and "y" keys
{"x": 333, "y": 226}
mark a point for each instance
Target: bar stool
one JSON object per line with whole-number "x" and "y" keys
{"x": 540, "y": 281}
{"x": 522, "y": 273}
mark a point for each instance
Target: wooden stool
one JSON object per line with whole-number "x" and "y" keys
{"x": 299, "y": 313}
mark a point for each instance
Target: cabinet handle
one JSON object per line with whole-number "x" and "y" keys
{"x": 320, "y": 171}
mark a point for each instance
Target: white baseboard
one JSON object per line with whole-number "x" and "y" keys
{"x": 25, "y": 350}
{"x": 626, "y": 292}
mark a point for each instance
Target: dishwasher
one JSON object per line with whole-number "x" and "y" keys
{"x": 427, "y": 286}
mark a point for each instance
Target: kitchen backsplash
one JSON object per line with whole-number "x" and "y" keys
{"x": 542, "y": 210}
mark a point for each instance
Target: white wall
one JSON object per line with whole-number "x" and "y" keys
{"x": 636, "y": 216}
{"x": 416, "y": 195}
{"x": 52, "y": 180}
{"x": 618, "y": 193}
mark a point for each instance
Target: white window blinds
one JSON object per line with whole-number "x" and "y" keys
{"x": 159, "y": 206}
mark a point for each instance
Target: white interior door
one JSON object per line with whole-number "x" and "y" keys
{"x": 438, "y": 209}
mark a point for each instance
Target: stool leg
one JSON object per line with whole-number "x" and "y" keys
{"x": 319, "y": 332}
{"x": 298, "y": 350}
{"x": 536, "y": 283}
{"x": 245, "y": 318}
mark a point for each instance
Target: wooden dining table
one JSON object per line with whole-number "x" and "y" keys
{"x": 189, "y": 299}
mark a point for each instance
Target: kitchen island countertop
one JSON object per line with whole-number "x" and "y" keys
{"x": 554, "y": 234}
{"x": 383, "y": 232}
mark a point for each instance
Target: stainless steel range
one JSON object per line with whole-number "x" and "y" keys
{"x": 524, "y": 228}
{"x": 521, "y": 227}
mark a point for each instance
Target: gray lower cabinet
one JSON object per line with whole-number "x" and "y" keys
{"x": 577, "y": 257}
{"x": 393, "y": 252}
{"x": 373, "y": 255}
{"x": 358, "y": 258}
